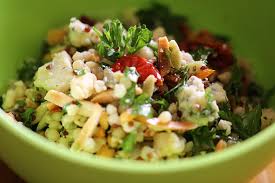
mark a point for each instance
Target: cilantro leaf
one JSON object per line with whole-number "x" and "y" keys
{"x": 203, "y": 139}
{"x": 129, "y": 142}
{"x": 27, "y": 117}
{"x": 138, "y": 37}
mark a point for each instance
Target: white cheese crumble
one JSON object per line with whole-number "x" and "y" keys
{"x": 225, "y": 125}
{"x": 196, "y": 103}
{"x": 81, "y": 34}
{"x": 82, "y": 87}
{"x": 218, "y": 92}
{"x": 55, "y": 75}
{"x": 168, "y": 144}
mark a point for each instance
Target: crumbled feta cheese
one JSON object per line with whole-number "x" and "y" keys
{"x": 90, "y": 55}
{"x": 196, "y": 103}
{"x": 55, "y": 75}
{"x": 225, "y": 125}
{"x": 100, "y": 86}
{"x": 218, "y": 92}
{"x": 119, "y": 90}
{"x": 82, "y": 87}
{"x": 187, "y": 57}
{"x": 168, "y": 144}
{"x": 80, "y": 65}
{"x": 81, "y": 34}
{"x": 111, "y": 109}
{"x": 146, "y": 52}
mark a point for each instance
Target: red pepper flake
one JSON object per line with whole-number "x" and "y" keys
{"x": 203, "y": 67}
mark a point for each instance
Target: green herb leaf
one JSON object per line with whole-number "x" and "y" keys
{"x": 129, "y": 142}
{"x": 203, "y": 139}
{"x": 80, "y": 72}
{"x": 201, "y": 54}
{"x": 27, "y": 117}
{"x": 28, "y": 69}
{"x": 162, "y": 104}
{"x": 129, "y": 98}
{"x": 113, "y": 40}
{"x": 235, "y": 84}
{"x": 184, "y": 77}
{"x": 138, "y": 37}
{"x": 245, "y": 126}
{"x": 142, "y": 106}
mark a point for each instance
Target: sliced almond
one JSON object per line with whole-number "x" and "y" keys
{"x": 172, "y": 125}
{"x": 58, "y": 98}
{"x": 88, "y": 128}
{"x": 104, "y": 97}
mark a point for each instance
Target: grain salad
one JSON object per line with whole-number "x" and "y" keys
{"x": 150, "y": 88}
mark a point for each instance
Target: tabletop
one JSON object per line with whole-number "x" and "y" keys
{"x": 267, "y": 176}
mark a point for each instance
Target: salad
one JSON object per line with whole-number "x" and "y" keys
{"x": 147, "y": 88}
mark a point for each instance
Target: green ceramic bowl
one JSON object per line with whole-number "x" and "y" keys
{"x": 25, "y": 23}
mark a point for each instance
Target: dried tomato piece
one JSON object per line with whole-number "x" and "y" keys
{"x": 87, "y": 20}
{"x": 222, "y": 56}
{"x": 142, "y": 65}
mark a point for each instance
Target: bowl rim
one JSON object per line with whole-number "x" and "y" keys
{"x": 131, "y": 166}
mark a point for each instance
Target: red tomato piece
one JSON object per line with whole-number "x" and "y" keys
{"x": 142, "y": 65}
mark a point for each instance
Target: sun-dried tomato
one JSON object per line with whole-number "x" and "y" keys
{"x": 142, "y": 65}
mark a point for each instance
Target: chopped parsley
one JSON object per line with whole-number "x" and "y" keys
{"x": 116, "y": 41}
{"x": 235, "y": 84}
{"x": 203, "y": 139}
{"x": 28, "y": 69}
{"x": 201, "y": 54}
{"x": 246, "y": 125}
{"x": 137, "y": 37}
{"x": 27, "y": 117}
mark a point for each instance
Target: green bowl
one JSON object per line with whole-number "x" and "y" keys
{"x": 25, "y": 23}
